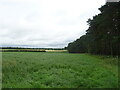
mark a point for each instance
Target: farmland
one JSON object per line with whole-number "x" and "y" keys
{"x": 58, "y": 70}
{"x": 31, "y": 50}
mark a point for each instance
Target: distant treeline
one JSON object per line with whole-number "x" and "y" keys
{"x": 31, "y": 48}
{"x": 103, "y": 34}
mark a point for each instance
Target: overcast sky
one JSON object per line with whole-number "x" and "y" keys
{"x": 45, "y": 23}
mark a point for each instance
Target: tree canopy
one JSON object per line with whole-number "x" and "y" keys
{"x": 103, "y": 34}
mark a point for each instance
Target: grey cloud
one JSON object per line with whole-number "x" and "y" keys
{"x": 44, "y": 23}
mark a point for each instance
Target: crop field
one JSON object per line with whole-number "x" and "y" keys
{"x": 58, "y": 70}
{"x": 30, "y": 50}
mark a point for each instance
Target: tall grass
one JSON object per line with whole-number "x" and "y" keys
{"x": 57, "y": 70}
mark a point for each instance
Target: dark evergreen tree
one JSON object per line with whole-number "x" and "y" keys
{"x": 103, "y": 34}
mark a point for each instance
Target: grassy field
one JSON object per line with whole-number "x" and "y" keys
{"x": 30, "y": 50}
{"x": 58, "y": 70}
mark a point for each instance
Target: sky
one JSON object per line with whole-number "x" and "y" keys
{"x": 45, "y": 23}
{"x": 112, "y": 0}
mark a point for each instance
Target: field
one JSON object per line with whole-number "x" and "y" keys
{"x": 31, "y": 50}
{"x": 58, "y": 70}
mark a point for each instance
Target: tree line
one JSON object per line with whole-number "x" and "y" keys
{"x": 31, "y": 48}
{"x": 103, "y": 34}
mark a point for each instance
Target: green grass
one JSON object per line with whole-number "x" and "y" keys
{"x": 58, "y": 70}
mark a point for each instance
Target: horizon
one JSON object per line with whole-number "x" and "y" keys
{"x": 28, "y": 47}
